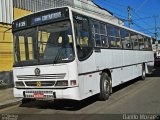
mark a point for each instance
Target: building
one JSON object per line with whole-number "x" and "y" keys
{"x": 156, "y": 47}
{"x": 13, "y": 9}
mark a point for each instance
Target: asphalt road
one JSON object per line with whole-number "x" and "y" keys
{"x": 132, "y": 100}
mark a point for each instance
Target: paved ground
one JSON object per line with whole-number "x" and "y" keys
{"x": 6, "y": 98}
{"x": 135, "y": 97}
{"x": 6, "y": 94}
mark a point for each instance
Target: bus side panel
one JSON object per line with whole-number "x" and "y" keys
{"x": 103, "y": 58}
{"x": 88, "y": 77}
{"x": 111, "y": 59}
{"x": 149, "y": 65}
{"x": 130, "y": 68}
{"x": 129, "y": 57}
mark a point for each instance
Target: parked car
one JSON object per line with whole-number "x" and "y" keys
{"x": 157, "y": 61}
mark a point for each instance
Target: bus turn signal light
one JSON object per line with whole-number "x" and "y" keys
{"x": 73, "y": 82}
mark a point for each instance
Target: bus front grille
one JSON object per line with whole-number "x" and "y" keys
{"x": 42, "y": 77}
{"x": 39, "y": 84}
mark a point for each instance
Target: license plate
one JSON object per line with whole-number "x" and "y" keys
{"x": 38, "y": 95}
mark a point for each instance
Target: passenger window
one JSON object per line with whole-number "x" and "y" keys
{"x": 126, "y": 41}
{"x": 96, "y": 33}
{"x": 99, "y": 34}
{"x": 147, "y": 44}
{"x": 103, "y": 35}
{"x": 114, "y": 36}
{"x": 141, "y": 42}
{"x": 134, "y": 39}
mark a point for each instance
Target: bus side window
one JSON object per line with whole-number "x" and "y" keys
{"x": 99, "y": 32}
{"x": 96, "y": 33}
{"x": 134, "y": 38}
{"x": 141, "y": 42}
{"x": 103, "y": 35}
{"x": 114, "y": 36}
{"x": 125, "y": 37}
{"x": 147, "y": 44}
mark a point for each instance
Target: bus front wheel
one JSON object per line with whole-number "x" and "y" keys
{"x": 105, "y": 87}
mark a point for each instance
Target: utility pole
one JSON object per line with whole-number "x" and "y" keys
{"x": 155, "y": 20}
{"x": 129, "y": 16}
{"x": 156, "y": 33}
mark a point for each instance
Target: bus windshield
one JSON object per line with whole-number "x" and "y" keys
{"x": 47, "y": 44}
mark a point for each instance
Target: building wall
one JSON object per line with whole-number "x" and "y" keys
{"x": 6, "y": 41}
{"x": 6, "y": 49}
{"x": 20, "y": 13}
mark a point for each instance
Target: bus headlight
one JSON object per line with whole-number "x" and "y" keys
{"x": 62, "y": 83}
{"x": 19, "y": 84}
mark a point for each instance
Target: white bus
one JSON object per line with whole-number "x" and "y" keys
{"x": 65, "y": 53}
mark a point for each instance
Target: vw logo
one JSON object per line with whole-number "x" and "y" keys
{"x": 37, "y": 71}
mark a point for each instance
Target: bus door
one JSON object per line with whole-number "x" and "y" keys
{"x": 84, "y": 46}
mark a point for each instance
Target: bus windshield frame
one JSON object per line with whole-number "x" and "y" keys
{"x": 46, "y": 44}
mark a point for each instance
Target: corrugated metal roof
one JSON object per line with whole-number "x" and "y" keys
{"x": 37, "y": 5}
{"x": 6, "y": 11}
{"x": 85, "y": 5}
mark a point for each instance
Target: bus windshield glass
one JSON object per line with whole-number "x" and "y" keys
{"x": 47, "y": 44}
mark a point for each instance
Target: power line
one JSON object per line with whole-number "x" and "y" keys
{"x": 147, "y": 29}
{"x": 120, "y": 16}
{"x": 112, "y": 5}
{"x": 140, "y": 17}
{"x": 124, "y": 18}
{"x": 122, "y": 5}
{"x": 149, "y": 17}
{"x": 143, "y": 21}
{"x": 144, "y": 2}
{"x": 118, "y": 4}
{"x": 142, "y": 28}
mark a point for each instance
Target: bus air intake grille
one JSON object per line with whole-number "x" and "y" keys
{"x": 42, "y": 83}
{"x": 42, "y": 77}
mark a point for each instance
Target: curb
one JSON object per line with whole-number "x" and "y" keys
{"x": 10, "y": 103}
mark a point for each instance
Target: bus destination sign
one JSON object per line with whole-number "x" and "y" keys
{"x": 40, "y": 18}
{"x": 47, "y": 17}
{"x": 20, "y": 24}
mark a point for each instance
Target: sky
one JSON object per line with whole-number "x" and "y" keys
{"x": 143, "y": 13}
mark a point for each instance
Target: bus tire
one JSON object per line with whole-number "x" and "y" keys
{"x": 143, "y": 76}
{"x": 105, "y": 87}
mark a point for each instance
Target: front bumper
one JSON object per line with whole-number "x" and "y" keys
{"x": 48, "y": 94}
